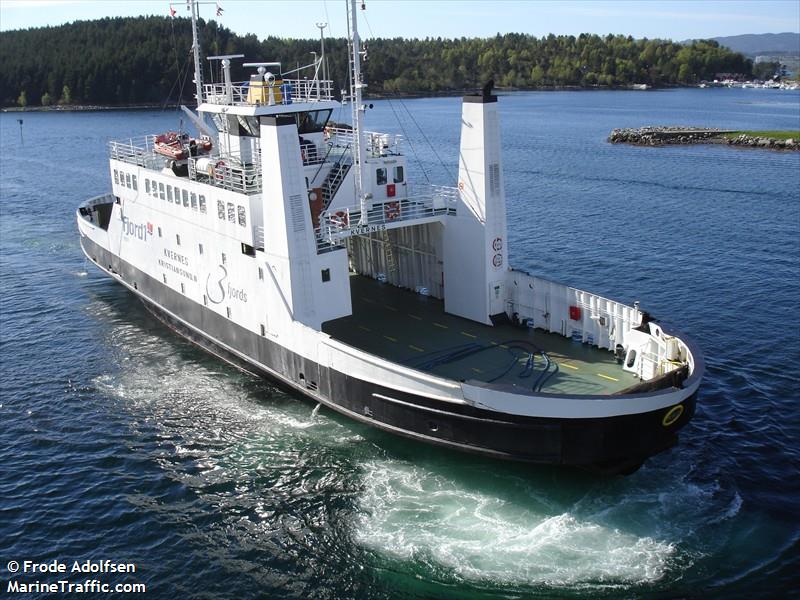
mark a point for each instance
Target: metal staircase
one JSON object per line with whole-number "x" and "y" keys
{"x": 334, "y": 179}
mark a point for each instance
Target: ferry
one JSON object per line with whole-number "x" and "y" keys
{"x": 302, "y": 251}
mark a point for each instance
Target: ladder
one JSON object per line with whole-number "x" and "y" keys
{"x": 391, "y": 262}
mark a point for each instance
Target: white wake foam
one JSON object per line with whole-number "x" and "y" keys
{"x": 412, "y": 514}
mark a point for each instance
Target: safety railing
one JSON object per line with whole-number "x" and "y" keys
{"x": 282, "y": 92}
{"x": 338, "y": 224}
{"x": 136, "y": 151}
{"x": 226, "y": 172}
{"x": 375, "y": 143}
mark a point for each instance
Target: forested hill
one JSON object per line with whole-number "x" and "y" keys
{"x": 138, "y": 60}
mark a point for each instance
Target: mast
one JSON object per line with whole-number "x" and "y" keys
{"x": 322, "y": 50}
{"x": 357, "y": 111}
{"x": 198, "y": 77}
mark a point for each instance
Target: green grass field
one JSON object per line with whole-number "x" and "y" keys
{"x": 776, "y": 135}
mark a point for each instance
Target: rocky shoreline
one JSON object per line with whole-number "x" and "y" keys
{"x": 662, "y": 136}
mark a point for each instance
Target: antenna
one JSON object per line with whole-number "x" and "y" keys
{"x": 226, "y": 72}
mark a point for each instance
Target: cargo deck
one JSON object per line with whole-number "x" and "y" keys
{"x": 412, "y": 329}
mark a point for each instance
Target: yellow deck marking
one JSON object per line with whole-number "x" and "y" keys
{"x": 568, "y": 366}
{"x": 364, "y": 328}
{"x": 504, "y": 346}
{"x": 415, "y": 317}
{"x": 477, "y": 370}
{"x": 606, "y": 377}
{"x": 468, "y": 334}
{"x": 392, "y": 308}
{"x": 440, "y": 325}
{"x": 493, "y": 343}
{"x": 390, "y": 338}
{"x": 417, "y": 348}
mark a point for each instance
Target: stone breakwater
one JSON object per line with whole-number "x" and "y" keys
{"x": 662, "y": 136}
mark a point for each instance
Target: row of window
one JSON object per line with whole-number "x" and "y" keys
{"x": 175, "y": 195}
{"x": 232, "y": 212}
{"x": 381, "y": 175}
{"x": 126, "y": 179}
{"x": 158, "y": 190}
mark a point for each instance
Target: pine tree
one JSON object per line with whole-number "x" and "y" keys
{"x": 66, "y": 95}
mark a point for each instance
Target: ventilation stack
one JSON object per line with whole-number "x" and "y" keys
{"x": 302, "y": 285}
{"x": 475, "y": 244}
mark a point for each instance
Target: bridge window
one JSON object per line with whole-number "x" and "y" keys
{"x": 242, "y": 216}
{"x": 231, "y": 212}
{"x": 133, "y": 180}
{"x": 313, "y": 121}
{"x": 147, "y": 186}
{"x": 128, "y": 180}
{"x": 398, "y": 174}
{"x": 380, "y": 175}
{"x": 161, "y": 191}
{"x": 248, "y": 126}
{"x": 202, "y": 204}
{"x": 185, "y": 196}
{"x": 194, "y": 201}
{"x": 169, "y": 193}
{"x": 116, "y": 177}
{"x": 221, "y": 210}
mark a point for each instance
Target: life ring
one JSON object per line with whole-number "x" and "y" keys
{"x": 340, "y": 218}
{"x": 673, "y": 414}
{"x": 392, "y": 211}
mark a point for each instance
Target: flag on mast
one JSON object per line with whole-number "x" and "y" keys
{"x": 219, "y": 10}
{"x": 171, "y": 11}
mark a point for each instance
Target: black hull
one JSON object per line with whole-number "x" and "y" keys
{"x": 616, "y": 444}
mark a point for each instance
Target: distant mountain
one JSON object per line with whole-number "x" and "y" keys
{"x": 753, "y": 44}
